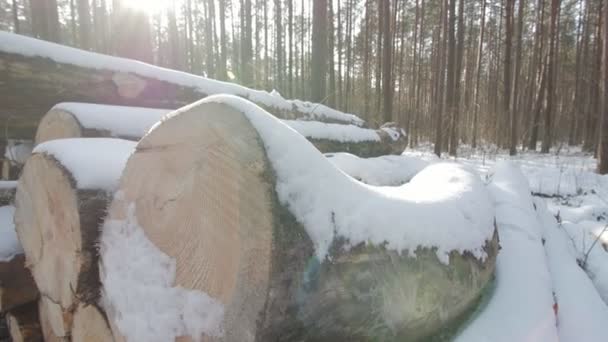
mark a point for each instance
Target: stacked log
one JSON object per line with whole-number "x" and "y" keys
{"x": 202, "y": 200}
{"x": 74, "y": 120}
{"x": 56, "y": 73}
{"x": 61, "y": 199}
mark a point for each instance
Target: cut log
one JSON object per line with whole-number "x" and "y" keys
{"x": 23, "y": 324}
{"x": 61, "y": 199}
{"x": 75, "y": 120}
{"x": 55, "y": 73}
{"x": 231, "y": 254}
{"x": 47, "y": 322}
{"x": 16, "y": 284}
{"x": 90, "y": 325}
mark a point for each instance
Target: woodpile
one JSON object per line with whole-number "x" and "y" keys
{"x": 76, "y": 120}
{"x": 183, "y": 235}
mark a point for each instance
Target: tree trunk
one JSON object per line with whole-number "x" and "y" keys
{"x": 508, "y": 84}
{"x": 440, "y": 78}
{"x": 62, "y": 250}
{"x": 319, "y": 51}
{"x": 222, "y": 70}
{"x": 387, "y": 77}
{"x": 553, "y": 36}
{"x": 131, "y": 34}
{"x": 84, "y": 25}
{"x": 247, "y": 47}
{"x": 454, "y": 136}
{"x": 278, "y": 44}
{"x": 249, "y": 244}
{"x": 45, "y": 20}
{"x": 17, "y": 287}
{"x": 332, "y": 67}
{"x": 476, "y": 103}
{"x": 23, "y": 324}
{"x": 16, "y": 25}
{"x": 602, "y": 167}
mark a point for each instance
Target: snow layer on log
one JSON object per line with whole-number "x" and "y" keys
{"x": 18, "y": 44}
{"x": 328, "y": 204}
{"x": 385, "y": 170}
{"x": 582, "y": 315}
{"x": 523, "y": 282}
{"x": 118, "y": 120}
{"x": 337, "y": 132}
{"x": 9, "y": 243}
{"x": 149, "y": 278}
{"x": 95, "y": 163}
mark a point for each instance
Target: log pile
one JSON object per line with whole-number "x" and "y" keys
{"x": 75, "y": 120}
{"x": 186, "y": 234}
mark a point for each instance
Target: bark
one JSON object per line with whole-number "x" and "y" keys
{"x": 16, "y": 25}
{"x": 278, "y": 44}
{"x": 454, "y": 136}
{"x": 515, "y": 106}
{"x": 222, "y": 70}
{"x": 332, "y": 67}
{"x": 247, "y": 47}
{"x": 508, "y": 85}
{"x": 247, "y": 265}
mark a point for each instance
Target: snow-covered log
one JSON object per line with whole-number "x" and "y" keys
{"x": 23, "y": 324}
{"x": 90, "y": 325}
{"x": 61, "y": 199}
{"x": 53, "y": 73}
{"x": 232, "y": 225}
{"x": 74, "y": 120}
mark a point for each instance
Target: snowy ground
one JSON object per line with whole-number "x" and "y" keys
{"x": 560, "y": 252}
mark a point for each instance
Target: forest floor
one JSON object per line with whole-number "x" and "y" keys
{"x": 570, "y": 262}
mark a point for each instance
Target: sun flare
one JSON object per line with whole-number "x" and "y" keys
{"x": 148, "y": 6}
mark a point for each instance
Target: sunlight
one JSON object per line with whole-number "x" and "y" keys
{"x": 148, "y": 6}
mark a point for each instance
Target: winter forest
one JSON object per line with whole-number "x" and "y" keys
{"x": 306, "y": 171}
{"x": 512, "y": 73}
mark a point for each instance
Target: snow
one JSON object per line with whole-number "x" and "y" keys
{"x": 329, "y": 204}
{"x": 9, "y": 243}
{"x": 95, "y": 163}
{"x": 120, "y": 121}
{"x": 582, "y": 315}
{"x": 337, "y": 132}
{"x": 138, "y": 291}
{"x": 8, "y": 184}
{"x": 382, "y": 171}
{"x": 17, "y": 44}
{"x": 520, "y": 308}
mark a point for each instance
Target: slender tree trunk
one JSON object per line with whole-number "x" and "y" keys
{"x": 366, "y": 53}
{"x": 442, "y": 42}
{"x": 553, "y": 36}
{"x": 15, "y": 7}
{"x": 379, "y": 56}
{"x": 84, "y": 24}
{"x": 332, "y": 66}
{"x": 457, "y": 79}
{"x": 602, "y": 167}
{"x": 508, "y": 85}
{"x": 319, "y": 50}
{"x": 247, "y": 47}
{"x": 279, "y": 44}
{"x": 478, "y": 73}
{"x": 290, "y": 33}
{"x": 515, "y": 107}
{"x": 222, "y": 69}
{"x": 451, "y": 67}
{"x": 387, "y": 79}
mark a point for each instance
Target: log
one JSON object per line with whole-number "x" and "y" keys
{"x": 56, "y": 73}
{"x": 50, "y": 325}
{"x": 205, "y": 200}
{"x": 61, "y": 199}
{"x": 90, "y": 325}
{"x": 74, "y": 120}
{"x": 17, "y": 287}
{"x": 23, "y": 324}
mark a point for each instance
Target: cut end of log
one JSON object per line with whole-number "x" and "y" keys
{"x": 58, "y": 124}
{"x": 90, "y": 325}
{"x": 57, "y": 322}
